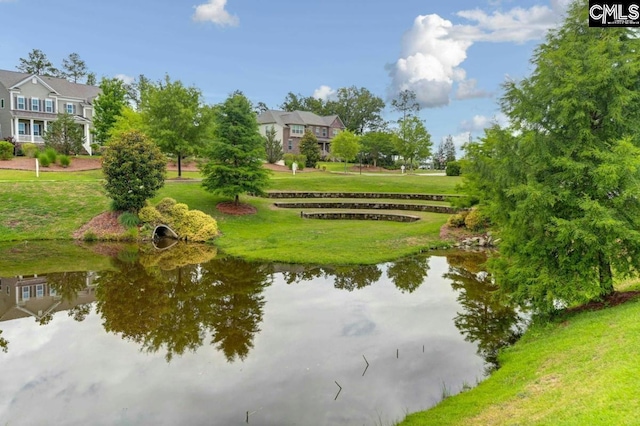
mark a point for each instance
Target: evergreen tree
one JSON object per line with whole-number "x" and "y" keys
{"x": 449, "y": 150}
{"x": 273, "y": 146}
{"x": 37, "y": 63}
{"x": 236, "y": 151}
{"x": 310, "y": 149}
{"x": 74, "y": 68}
{"x": 563, "y": 182}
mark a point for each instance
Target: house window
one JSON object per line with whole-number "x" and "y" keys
{"x": 324, "y": 132}
{"x": 290, "y": 145}
{"x": 26, "y": 293}
{"x": 335, "y": 132}
{"x": 22, "y": 129}
{"x": 48, "y": 105}
{"x": 52, "y": 292}
{"x": 40, "y": 290}
{"x": 21, "y": 102}
{"x": 296, "y": 129}
{"x": 317, "y": 130}
{"x": 35, "y": 104}
{"x": 37, "y": 129}
{"x": 71, "y": 109}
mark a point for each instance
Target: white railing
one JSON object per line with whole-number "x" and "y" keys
{"x": 27, "y": 138}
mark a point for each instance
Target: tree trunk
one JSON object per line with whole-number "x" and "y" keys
{"x": 237, "y": 199}
{"x": 606, "y": 277}
{"x": 179, "y": 165}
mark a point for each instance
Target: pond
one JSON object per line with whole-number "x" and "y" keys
{"x": 139, "y": 336}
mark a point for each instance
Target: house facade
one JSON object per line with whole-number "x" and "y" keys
{"x": 290, "y": 126}
{"x": 29, "y": 103}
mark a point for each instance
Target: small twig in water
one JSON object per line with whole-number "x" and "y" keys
{"x": 338, "y": 391}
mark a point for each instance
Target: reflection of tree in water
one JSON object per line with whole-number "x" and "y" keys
{"x": 176, "y": 309}
{"x": 409, "y": 273}
{"x": 67, "y": 285}
{"x": 346, "y": 277}
{"x": 484, "y": 319}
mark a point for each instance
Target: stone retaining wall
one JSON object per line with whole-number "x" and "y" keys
{"x": 365, "y": 205}
{"x": 372, "y": 195}
{"x": 359, "y": 216}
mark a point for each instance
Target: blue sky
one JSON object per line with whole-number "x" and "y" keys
{"x": 454, "y": 54}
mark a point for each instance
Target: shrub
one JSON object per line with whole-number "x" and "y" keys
{"x": 288, "y": 159}
{"x": 30, "y": 150}
{"x": 90, "y": 236}
{"x": 129, "y": 220}
{"x": 453, "y": 168}
{"x": 51, "y": 154}
{"x": 6, "y": 150}
{"x": 134, "y": 169}
{"x": 150, "y": 214}
{"x": 475, "y": 220}
{"x": 95, "y": 149}
{"x": 64, "y": 160}
{"x": 165, "y": 205}
{"x": 44, "y": 160}
{"x": 457, "y": 220}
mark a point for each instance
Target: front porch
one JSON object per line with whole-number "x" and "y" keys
{"x": 32, "y": 130}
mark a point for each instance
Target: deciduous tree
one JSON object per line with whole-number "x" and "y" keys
{"x": 236, "y": 151}
{"x": 377, "y": 144}
{"x": 175, "y": 118}
{"x": 413, "y": 141}
{"x": 563, "y": 182}
{"x": 358, "y": 108}
{"x": 64, "y": 135}
{"x": 108, "y": 106}
{"x": 345, "y": 146}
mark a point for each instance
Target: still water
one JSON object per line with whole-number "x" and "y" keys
{"x": 187, "y": 336}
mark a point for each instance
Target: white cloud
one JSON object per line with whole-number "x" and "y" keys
{"x": 467, "y": 89}
{"x": 480, "y": 122}
{"x": 214, "y": 11}
{"x": 126, "y": 79}
{"x": 324, "y": 93}
{"x": 434, "y": 49}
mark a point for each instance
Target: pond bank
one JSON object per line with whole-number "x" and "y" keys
{"x": 579, "y": 369}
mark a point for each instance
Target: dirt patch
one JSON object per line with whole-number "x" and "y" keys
{"x": 236, "y": 209}
{"x": 614, "y": 299}
{"x": 103, "y": 226}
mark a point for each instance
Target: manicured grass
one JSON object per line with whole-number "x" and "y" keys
{"x": 47, "y": 210}
{"x": 30, "y": 176}
{"x": 323, "y": 181}
{"x": 580, "y": 370}
{"x": 281, "y": 235}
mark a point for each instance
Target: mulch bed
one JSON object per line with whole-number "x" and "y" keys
{"x": 235, "y": 209}
{"x": 103, "y": 225}
{"x": 614, "y": 299}
{"x": 77, "y": 164}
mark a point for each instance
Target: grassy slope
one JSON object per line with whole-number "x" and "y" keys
{"x": 53, "y": 209}
{"x": 582, "y": 370}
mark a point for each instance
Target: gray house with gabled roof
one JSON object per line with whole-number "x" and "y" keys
{"x": 29, "y": 102}
{"x": 291, "y": 125}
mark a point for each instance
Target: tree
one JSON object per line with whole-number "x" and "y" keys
{"x": 272, "y": 146}
{"x": 64, "y": 135}
{"x": 236, "y": 151}
{"x": 440, "y": 157}
{"x": 406, "y": 104}
{"x": 345, "y": 146}
{"x": 413, "y": 141}
{"x": 563, "y": 182}
{"x": 37, "y": 63}
{"x": 310, "y": 149}
{"x": 127, "y": 121}
{"x": 449, "y": 149}
{"x": 91, "y": 79}
{"x": 175, "y": 118}
{"x": 293, "y": 102}
{"x": 377, "y": 144}
{"x": 74, "y": 68}
{"x": 134, "y": 170}
{"x": 358, "y": 108}
{"x": 260, "y": 108}
{"x": 108, "y": 106}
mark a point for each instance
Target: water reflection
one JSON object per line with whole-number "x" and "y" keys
{"x": 240, "y": 337}
{"x": 483, "y": 319}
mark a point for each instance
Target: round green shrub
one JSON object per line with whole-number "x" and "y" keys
{"x": 44, "y": 160}
{"x": 30, "y": 150}
{"x": 134, "y": 169}
{"x": 165, "y": 205}
{"x": 453, "y": 168}
{"x": 457, "y": 220}
{"x": 6, "y": 150}
{"x": 475, "y": 220}
{"x": 149, "y": 214}
{"x": 64, "y": 160}
{"x": 51, "y": 154}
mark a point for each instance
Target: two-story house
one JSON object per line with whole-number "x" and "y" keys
{"x": 291, "y": 126}
{"x": 28, "y": 103}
